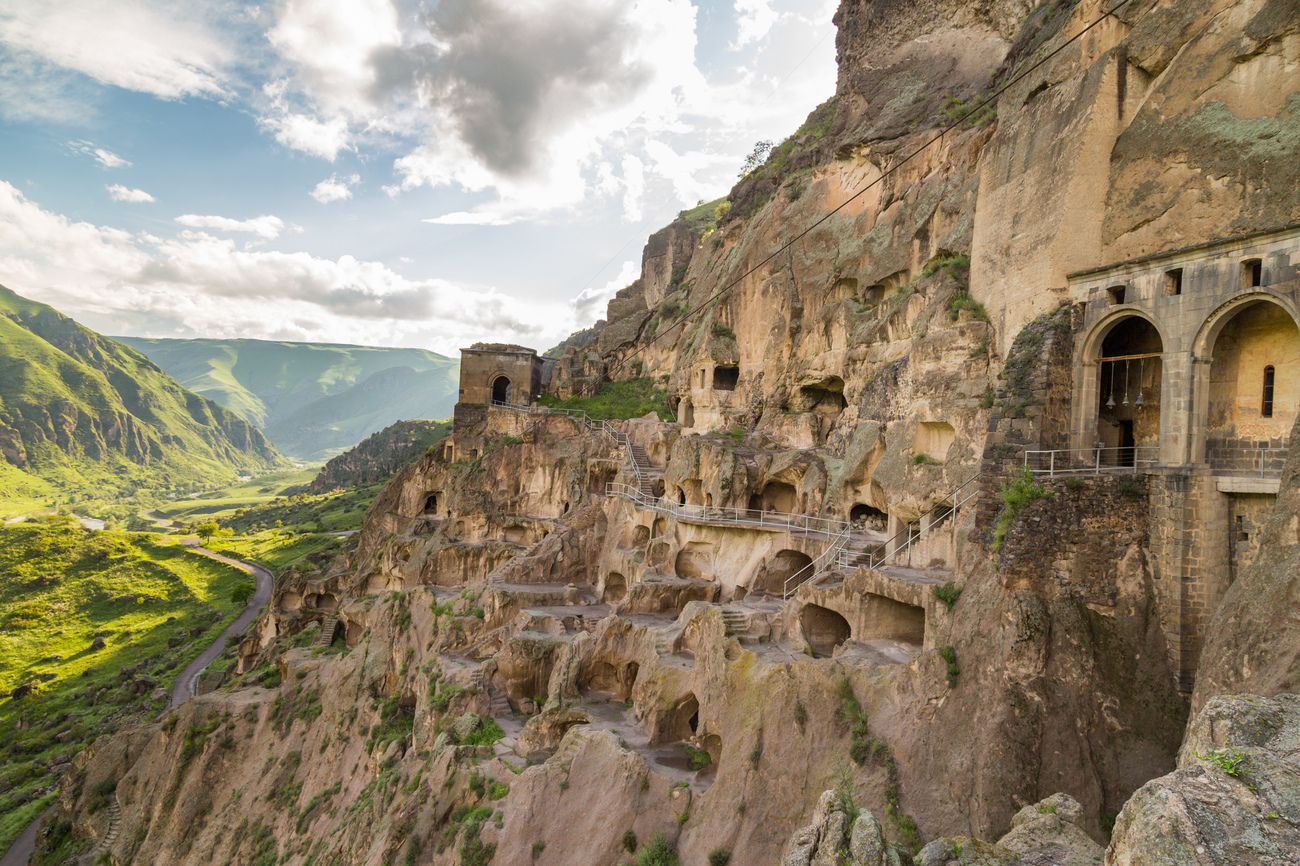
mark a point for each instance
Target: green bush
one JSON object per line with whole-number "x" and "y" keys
{"x": 626, "y": 398}
{"x": 629, "y": 841}
{"x": 1016, "y": 497}
{"x": 948, "y": 654}
{"x": 948, "y": 593}
{"x": 660, "y": 852}
{"x": 923, "y": 459}
{"x": 719, "y": 857}
{"x": 697, "y": 759}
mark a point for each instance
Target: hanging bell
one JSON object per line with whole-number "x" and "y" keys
{"x": 1110, "y": 404}
{"x": 1139, "y": 401}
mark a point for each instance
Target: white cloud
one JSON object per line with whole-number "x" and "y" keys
{"x": 108, "y": 159}
{"x": 198, "y": 284}
{"x": 754, "y": 18}
{"x": 166, "y": 49}
{"x": 103, "y": 156}
{"x": 474, "y": 218}
{"x": 268, "y": 227}
{"x": 334, "y": 188}
{"x": 121, "y": 193}
{"x": 589, "y": 304}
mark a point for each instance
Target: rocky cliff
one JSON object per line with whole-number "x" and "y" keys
{"x": 564, "y": 641}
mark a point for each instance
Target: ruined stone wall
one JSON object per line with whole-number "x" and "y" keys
{"x": 1074, "y": 542}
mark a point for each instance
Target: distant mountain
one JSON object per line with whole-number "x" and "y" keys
{"x": 313, "y": 400}
{"x": 86, "y": 413}
{"x": 380, "y": 455}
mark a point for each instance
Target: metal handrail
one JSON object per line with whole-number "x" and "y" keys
{"x": 752, "y": 518}
{"x": 833, "y": 551}
{"x": 836, "y": 531}
{"x": 1092, "y": 461}
{"x": 953, "y": 501}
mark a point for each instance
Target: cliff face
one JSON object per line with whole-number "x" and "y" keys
{"x": 879, "y": 371}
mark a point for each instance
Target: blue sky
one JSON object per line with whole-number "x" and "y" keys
{"x": 375, "y": 171}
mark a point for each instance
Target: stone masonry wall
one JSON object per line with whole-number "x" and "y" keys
{"x": 1072, "y": 543}
{"x": 1031, "y": 410}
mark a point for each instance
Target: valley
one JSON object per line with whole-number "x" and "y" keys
{"x": 933, "y": 499}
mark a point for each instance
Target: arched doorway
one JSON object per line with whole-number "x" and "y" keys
{"x": 615, "y": 587}
{"x": 1128, "y": 394}
{"x": 1253, "y": 387}
{"x": 501, "y": 389}
{"x": 823, "y": 629}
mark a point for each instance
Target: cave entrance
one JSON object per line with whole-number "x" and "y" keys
{"x": 725, "y": 378}
{"x": 629, "y": 678}
{"x": 431, "y": 504}
{"x": 615, "y": 587}
{"x": 824, "y": 399}
{"x": 887, "y": 619}
{"x": 683, "y": 721}
{"x": 687, "y": 414}
{"x": 1128, "y": 402}
{"x": 868, "y": 517}
{"x": 501, "y": 389}
{"x": 823, "y": 629}
{"x": 786, "y": 564}
{"x": 778, "y": 496}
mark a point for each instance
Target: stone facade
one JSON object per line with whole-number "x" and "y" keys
{"x": 496, "y": 372}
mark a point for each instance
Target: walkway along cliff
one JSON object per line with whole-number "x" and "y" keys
{"x": 954, "y": 489}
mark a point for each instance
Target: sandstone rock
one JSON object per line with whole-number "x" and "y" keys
{"x": 1056, "y": 822}
{"x": 964, "y": 851}
{"x": 97, "y": 644}
{"x": 1235, "y": 797}
{"x": 20, "y": 692}
{"x": 465, "y": 725}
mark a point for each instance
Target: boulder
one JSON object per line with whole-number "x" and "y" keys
{"x": 1235, "y": 797}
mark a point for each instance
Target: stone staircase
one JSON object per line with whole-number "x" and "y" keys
{"x": 664, "y": 643}
{"x": 736, "y": 622}
{"x": 574, "y": 739}
{"x": 647, "y": 473}
{"x": 499, "y": 703}
{"x": 328, "y": 631}
{"x": 114, "y": 824}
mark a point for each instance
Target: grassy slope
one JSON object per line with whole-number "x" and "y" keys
{"x": 626, "y": 398}
{"x": 56, "y": 580}
{"x": 134, "y": 424}
{"x": 313, "y": 399}
{"x": 277, "y": 553}
{"x": 223, "y": 501}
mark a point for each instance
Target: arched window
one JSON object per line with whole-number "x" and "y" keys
{"x": 1266, "y": 404}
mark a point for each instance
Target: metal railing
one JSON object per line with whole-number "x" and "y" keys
{"x": 1264, "y": 462}
{"x": 1091, "y": 461}
{"x": 832, "y": 553}
{"x": 809, "y": 526}
{"x": 802, "y": 524}
{"x": 914, "y": 530}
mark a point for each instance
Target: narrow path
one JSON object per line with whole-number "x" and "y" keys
{"x": 21, "y": 850}
{"x": 183, "y": 689}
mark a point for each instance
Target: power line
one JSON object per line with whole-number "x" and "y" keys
{"x": 618, "y": 366}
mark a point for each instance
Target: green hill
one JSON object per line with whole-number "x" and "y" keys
{"x": 81, "y": 412}
{"x": 313, "y": 400}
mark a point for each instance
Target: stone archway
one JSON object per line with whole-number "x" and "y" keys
{"x": 501, "y": 389}
{"x": 1129, "y": 371}
{"x": 1251, "y": 384}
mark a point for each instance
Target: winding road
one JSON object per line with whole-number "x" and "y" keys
{"x": 183, "y": 689}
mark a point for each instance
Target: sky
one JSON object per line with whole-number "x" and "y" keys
{"x": 381, "y": 172}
